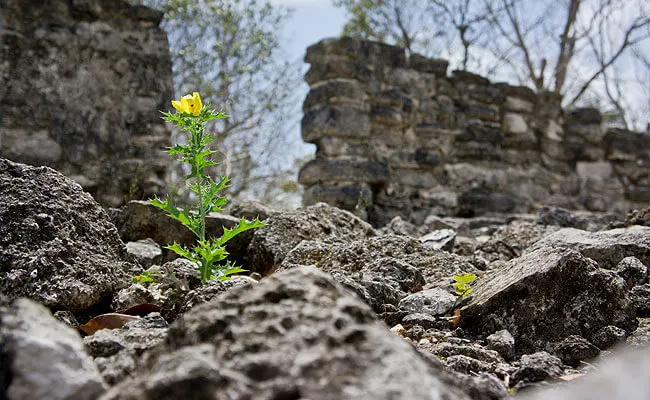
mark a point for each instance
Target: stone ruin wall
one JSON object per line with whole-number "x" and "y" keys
{"x": 399, "y": 136}
{"x": 81, "y": 85}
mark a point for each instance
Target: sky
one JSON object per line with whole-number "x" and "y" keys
{"x": 312, "y": 21}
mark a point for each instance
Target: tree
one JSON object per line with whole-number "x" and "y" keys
{"x": 230, "y": 51}
{"x": 401, "y": 22}
{"x": 591, "y": 52}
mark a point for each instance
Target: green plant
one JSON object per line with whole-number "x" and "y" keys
{"x": 191, "y": 117}
{"x": 145, "y": 277}
{"x": 462, "y": 284}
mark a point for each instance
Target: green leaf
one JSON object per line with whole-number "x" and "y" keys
{"x": 224, "y": 275}
{"x": 464, "y": 278}
{"x": 191, "y": 222}
{"x": 181, "y": 251}
{"x": 242, "y": 225}
{"x": 462, "y": 289}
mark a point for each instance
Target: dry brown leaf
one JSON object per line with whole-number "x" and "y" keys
{"x": 106, "y": 321}
{"x": 456, "y": 320}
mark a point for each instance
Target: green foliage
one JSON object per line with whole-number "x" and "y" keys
{"x": 400, "y": 22}
{"x": 233, "y": 51}
{"x": 207, "y": 253}
{"x": 145, "y": 277}
{"x": 462, "y": 284}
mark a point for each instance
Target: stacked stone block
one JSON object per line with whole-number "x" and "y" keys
{"x": 81, "y": 85}
{"x": 396, "y": 135}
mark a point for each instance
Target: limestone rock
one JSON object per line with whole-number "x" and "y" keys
{"x": 442, "y": 239}
{"x": 381, "y": 270}
{"x": 608, "y": 337}
{"x": 510, "y": 241}
{"x": 146, "y": 251}
{"x": 298, "y": 334}
{"x": 574, "y": 349}
{"x": 57, "y": 245}
{"x": 435, "y": 302}
{"x": 250, "y": 209}
{"x": 632, "y": 271}
{"x": 570, "y": 219}
{"x": 82, "y": 86}
{"x": 44, "y": 358}
{"x": 503, "y": 342}
{"x": 641, "y": 297}
{"x": 546, "y": 295}
{"x": 537, "y": 367}
{"x": 272, "y": 243}
{"x": 607, "y": 248}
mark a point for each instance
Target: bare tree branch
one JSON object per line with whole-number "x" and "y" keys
{"x": 627, "y": 42}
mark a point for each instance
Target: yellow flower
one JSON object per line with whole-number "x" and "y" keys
{"x": 189, "y": 104}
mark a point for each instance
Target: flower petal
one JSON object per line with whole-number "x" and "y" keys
{"x": 196, "y": 103}
{"x": 177, "y": 105}
{"x": 185, "y": 104}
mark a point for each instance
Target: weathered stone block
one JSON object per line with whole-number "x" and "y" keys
{"x": 414, "y": 160}
{"x": 416, "y": 178}
{"x": 338, "y": 69}
{"x": 586, "y": 115}
{"x": 481, "y": 111}
{"x": 514, "y": 124}
{"x": 342, "y": 195}
{"x": 387, "y": 117}
{"x": 337, "y": 92}
{"x": 468, "y": 77}
{"x": 368, "y": 51}
{"x": 518, "y": 105}
{"x": 317, "y": 171}
{"x": 394, "y": 98}
{"x": 434, "y": 66}
{"x": 337, "y": 121}
{"x": 625, "y": 145}
{"x": 408, "y": 78}
{"x": 601, "y": 169}
{"x": 480, "y": 201}
{"x": 342, "y": 147}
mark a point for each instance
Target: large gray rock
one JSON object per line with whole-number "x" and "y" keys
{"x": 296, "y": 335}
{"x": 81, "y": 85}
{"x": 607, "y": 248}
{"x": 57, "y": 245}
{"x": 41, "y": 358}
{"x": 382, "y": 270}
{"x": 286, "y": 230}
{"x": 547, "y": 295}
{"x": 569, "y": 219}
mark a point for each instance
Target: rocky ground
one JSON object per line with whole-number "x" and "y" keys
{"x": 332, "y": 309}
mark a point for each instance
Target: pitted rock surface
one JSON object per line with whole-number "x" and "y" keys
{"x": 382, "y": 270}
{"x": 547, "y": 295}
{"x": 607, "y": 248}
{"x": 297, "y": 334}
{"x": 286, "y": 230}
{"x": 42, "y": 358}
{"x": 57, "y": 245}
